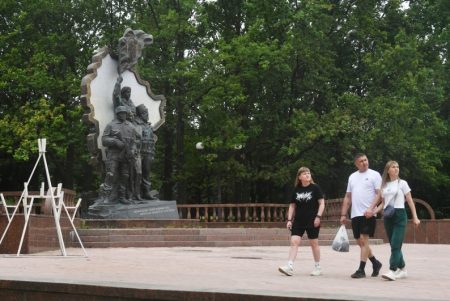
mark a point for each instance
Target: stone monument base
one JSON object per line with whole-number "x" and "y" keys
{"x": 149, "y": 210}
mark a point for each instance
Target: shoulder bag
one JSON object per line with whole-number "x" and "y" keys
{"x": 389, "y": 211}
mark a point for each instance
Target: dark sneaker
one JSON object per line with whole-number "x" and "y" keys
{"x": 376, "y": 268}
{"x": 359, "y": 274}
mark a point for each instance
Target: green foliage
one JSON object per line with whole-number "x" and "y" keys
{"x": 45, "y": 47}
{"x": 33, "y": 121}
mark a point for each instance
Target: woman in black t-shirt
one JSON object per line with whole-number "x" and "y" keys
{"x": 305, "y": 210}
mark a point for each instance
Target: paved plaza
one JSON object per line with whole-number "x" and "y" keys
{"x": 242, "y": 270}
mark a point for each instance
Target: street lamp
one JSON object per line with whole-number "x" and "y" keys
{"x": 219, "y": 154}
{"x": 199, "y": 146}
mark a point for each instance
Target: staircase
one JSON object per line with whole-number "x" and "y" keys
{"x": 146, "y": 237}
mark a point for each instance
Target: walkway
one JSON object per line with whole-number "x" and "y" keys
{"x": 240, "y": 270}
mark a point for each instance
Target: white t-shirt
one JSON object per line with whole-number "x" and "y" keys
{"x": 363, "y": 186}
{"x": 390, "y": 189}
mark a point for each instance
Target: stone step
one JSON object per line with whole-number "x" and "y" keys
{"x": 225, "y": 237}
{"x": 195, "y": 231}
{"x": 240, "y": 243}
{"x": 186, "y": 223}
{"x": 196, "y": 237}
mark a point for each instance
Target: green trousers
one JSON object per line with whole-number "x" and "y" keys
{"x": 395, "y": 227}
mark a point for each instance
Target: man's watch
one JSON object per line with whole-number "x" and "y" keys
{"x": 319, "y": 216}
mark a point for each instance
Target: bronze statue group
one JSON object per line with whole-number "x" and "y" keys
{"x": 130, "y": 147}
{"x": 367, "y": 193}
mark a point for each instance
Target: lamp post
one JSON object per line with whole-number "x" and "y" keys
{"x": 201, "y": 147}
{"x": 219, "y": 154}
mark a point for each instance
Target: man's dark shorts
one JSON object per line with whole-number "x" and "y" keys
{"x": 313, "y": 233}
{"x": 363, "y": 225}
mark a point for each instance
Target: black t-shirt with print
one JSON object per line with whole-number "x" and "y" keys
{"x": 307, "y": 201}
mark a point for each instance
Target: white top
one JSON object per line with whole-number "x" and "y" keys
{"x": 363, "y": 186}
{"x": 390, "y": 189}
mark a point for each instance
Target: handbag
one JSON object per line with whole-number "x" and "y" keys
{"x": 389, "y": 211}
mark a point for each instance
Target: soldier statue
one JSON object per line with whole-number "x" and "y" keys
{"x": 121, "y": 97}
{"x": 147, "y": 152}
{"x": 120, "y": 140}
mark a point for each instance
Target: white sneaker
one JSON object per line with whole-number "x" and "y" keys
{"x": 287, "y": 270}
{"x": 401, "y": 273}
{"x": 316, "y": 272}
{"x": 390, "y": 275}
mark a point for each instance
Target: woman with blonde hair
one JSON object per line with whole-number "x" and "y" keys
{"x": 305, "y": 210}
{"x": 394, "y": 192}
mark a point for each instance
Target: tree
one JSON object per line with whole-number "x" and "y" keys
{"x": 45, "y": 48}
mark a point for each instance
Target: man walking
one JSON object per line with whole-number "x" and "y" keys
{"x": 362, "y": 189}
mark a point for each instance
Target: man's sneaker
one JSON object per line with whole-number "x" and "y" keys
{"x": 287, "y": 270}
{"x": 359, "y": 274}
{"x": 316, "y": 272}
{"x": 401, "y": 273}
{"x": 390, "y": 275}
{"x": 376, "y": 268}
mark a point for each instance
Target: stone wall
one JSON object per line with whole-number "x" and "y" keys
{"x": 40, "y": 234}
{"x": 429, "y": 232}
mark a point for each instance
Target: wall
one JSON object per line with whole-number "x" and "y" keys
{"x": 40, "y": 234}
{"x": 429, "y": 232}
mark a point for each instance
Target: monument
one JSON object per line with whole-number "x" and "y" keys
{"x": 123, "y": 115}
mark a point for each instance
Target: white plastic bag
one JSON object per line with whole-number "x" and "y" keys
{"x": 341, "y": 242}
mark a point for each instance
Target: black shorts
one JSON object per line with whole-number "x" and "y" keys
{"x": 313, "y": 233}
{"x": 363, "y": 225}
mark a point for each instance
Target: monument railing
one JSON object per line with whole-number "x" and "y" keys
{"x": 262, "y": 212}
{"x": 248, "y": 212}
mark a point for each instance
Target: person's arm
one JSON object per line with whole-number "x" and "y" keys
{"x": 107, "y": 141}
{"x": 319, "y": 212}
{"x": 111, "y": 138}
{"x": 378, "y": 207}
{"x": 345, "y": 205}
{"x": 291, "y": 215}
{"x": 116, "y": 93}
{"x": 371, "y": 210}
{"x": 412, "y": 207}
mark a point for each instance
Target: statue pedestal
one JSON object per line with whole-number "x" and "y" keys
{"x": 149, "y": 210}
